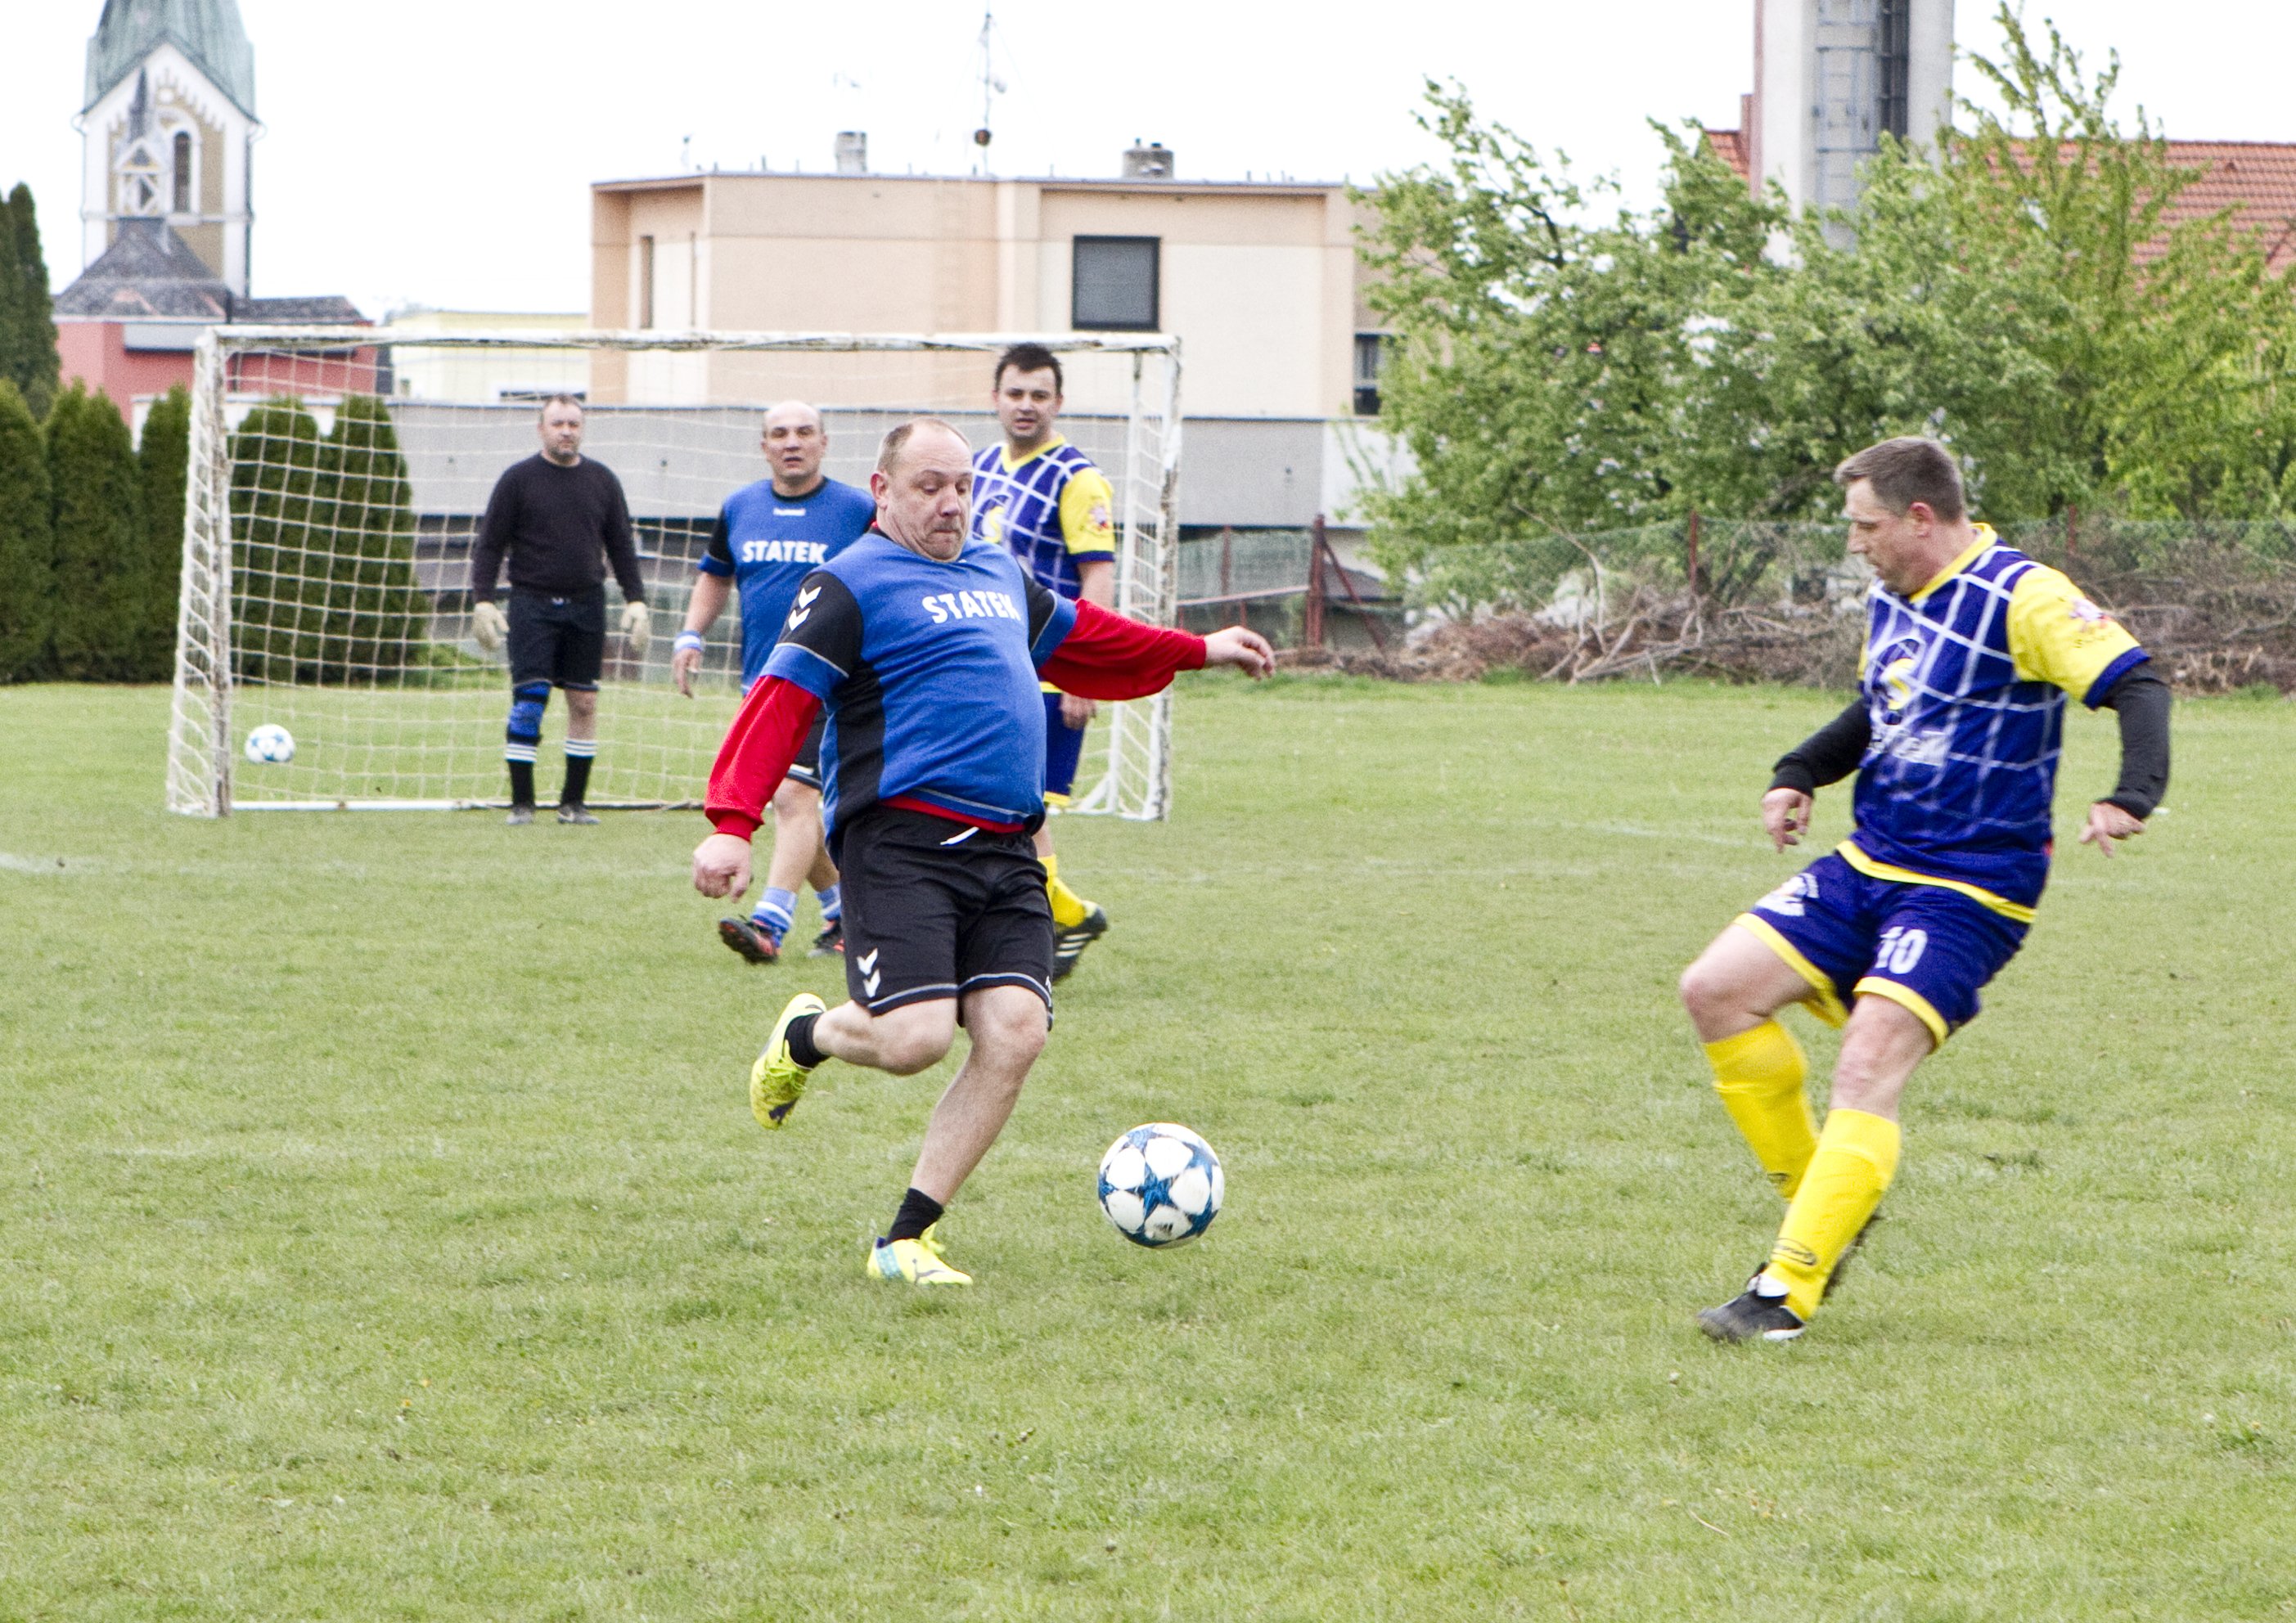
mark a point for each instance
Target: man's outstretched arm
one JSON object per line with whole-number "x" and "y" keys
{"x": 1106, "y": 655}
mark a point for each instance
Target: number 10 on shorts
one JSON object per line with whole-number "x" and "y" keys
{"x": 1901, "y": 950}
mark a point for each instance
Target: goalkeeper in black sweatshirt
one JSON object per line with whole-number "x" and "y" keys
{"x": 558, "y": 517}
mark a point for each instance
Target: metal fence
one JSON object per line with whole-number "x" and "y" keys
{"x": 1288, "y": 584}
{"x": 2216, "y": 603}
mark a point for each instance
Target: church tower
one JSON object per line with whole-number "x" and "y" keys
{"x": 168, "y": 122}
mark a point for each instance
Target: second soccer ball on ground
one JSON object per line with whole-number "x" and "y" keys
{"x": 1161, "y": 1184}
{"x": 270, "y": 745}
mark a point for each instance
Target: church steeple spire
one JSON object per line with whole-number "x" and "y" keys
{"x": 169, "y": 124}
{"x": 208, "y": 32}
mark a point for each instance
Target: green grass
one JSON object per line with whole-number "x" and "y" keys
{"x": 383, "y": 1233}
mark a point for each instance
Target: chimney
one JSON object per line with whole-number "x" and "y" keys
{"x": 1152, "y": 161}
{"x": 852, "y": 152}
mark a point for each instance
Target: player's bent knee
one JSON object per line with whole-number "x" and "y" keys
{"x": 1880, "y": 1050}
{"x": 1711, "y": 991}
{"x": 1010, "y": 1023}
{"x": 915, "y": 1037}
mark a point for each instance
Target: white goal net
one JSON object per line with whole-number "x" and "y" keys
{"x": 338, "y": 477}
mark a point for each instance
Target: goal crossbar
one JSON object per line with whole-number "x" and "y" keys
{"x": 337, "y": 472}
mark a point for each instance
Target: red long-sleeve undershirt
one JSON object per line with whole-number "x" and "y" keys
{"x": 1105, "y": 656}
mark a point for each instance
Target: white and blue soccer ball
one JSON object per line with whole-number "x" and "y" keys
{"x": 270, "y": 745}
{"x": 1161, "y": 1184}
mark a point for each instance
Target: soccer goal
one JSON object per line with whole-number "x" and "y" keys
{"x": 338, "y": 477}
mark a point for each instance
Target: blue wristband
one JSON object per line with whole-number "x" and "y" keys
{"x": 688, "y": 639}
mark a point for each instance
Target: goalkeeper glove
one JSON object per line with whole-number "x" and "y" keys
{"x": 488, "y": 625}
{"x": 637, "y": 627}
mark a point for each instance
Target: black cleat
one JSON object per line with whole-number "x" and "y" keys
{"x": 1750, "y": 1317}
{"x": 832, "y": 940}
{"x": 1841, "y": 1263}
{"x": 520, "y": 816}
{"x": 1068, "y": 942}
{"x": 744, "y": 937}
{"x": 574, "y": 811}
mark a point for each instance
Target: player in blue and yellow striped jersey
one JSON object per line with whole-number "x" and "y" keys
{"x": 1042, "y": 499}
{"x": 1971, "y": 649}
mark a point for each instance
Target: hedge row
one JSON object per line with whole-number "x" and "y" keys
{"x": 90, "y": 533}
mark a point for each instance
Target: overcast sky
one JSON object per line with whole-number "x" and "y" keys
{"x": 440, "y": 152}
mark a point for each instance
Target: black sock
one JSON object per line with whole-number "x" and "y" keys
{"x": 578, "y": 781}
{"x": 521, "y": 782}
{"x": 800, "y": 1037}
{"x": 919, "y": 1212}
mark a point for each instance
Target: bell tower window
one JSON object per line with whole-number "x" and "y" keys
{"x": 183, "y": 172}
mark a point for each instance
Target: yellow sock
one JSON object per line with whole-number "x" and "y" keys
{"x": 1856, "y": 1157}
{"x": 1069, "y": 908}
{"x": 1759, "y": 1074}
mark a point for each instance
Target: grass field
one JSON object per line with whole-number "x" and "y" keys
{"x": 385, "y": 1234}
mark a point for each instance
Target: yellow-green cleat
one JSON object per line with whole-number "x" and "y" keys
{"x": 917, "y": 1261}
{"x": 776, "y": 1081}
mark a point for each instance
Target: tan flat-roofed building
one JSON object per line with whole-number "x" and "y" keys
{"x": 1260, "y": 281}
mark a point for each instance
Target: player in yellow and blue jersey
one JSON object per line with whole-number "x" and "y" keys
{"x": 1042, "y": 499}
{"x": 1971, "y": 649}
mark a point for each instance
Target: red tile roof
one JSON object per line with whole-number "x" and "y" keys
{"x": 2257, "y": 180}
{"x": 1732, "y": 147}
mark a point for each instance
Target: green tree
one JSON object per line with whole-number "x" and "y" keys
{"x": 101, "y": 565}
{"x": 2022, "y": 293}
{"x": 2027, "y": 297}
{"x": 27, "y": 554}
{"x": 27, "y": 328}
{"x": 280, "y": 520}
{"x": 1544, "y": 370}
{"x": 163, "y": 459}
{"x": 379, "y": 616}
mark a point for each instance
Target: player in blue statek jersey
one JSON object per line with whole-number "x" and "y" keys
{"x": 768, "y": 538}
{"x": 1041, "y": 498}
{"x": 925, "y": 649}
{"x": 1972, "y": 650}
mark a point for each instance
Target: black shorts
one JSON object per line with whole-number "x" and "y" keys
{"x": 807, "y": 768}
{"x": 558, "y": 640}
{"x": 935, "y": 908}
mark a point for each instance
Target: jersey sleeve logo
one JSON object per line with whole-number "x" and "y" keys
{"x": 1098, "y": 516}
{"x": 803, "y": 609}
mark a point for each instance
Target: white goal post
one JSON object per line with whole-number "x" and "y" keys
{"x": 337, "y": 478}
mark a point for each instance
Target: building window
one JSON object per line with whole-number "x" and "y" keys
{"x": 1371, "y": 351}
{"x": 1897, "y": 65}
{"x": 646, "y": 282}
{"x": 183, "y": 172}
{"x": 1115, "y": 288}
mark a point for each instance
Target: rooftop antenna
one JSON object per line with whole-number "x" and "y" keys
{"x": 991, "y": 87}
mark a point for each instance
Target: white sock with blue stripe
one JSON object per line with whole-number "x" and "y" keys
{"x": 832, "y": 909}
{"x": 775, "y": 910}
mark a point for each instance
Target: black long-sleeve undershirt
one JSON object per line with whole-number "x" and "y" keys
{"x": 559, "y": 526}
{"x": 2140, "y": 699}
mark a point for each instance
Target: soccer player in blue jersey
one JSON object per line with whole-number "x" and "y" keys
{"x": 926, "y": 650}
{"x": 1972, "y": 650}
{"x": 1040, "y": 496}
{"x": 769, "y": 536}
